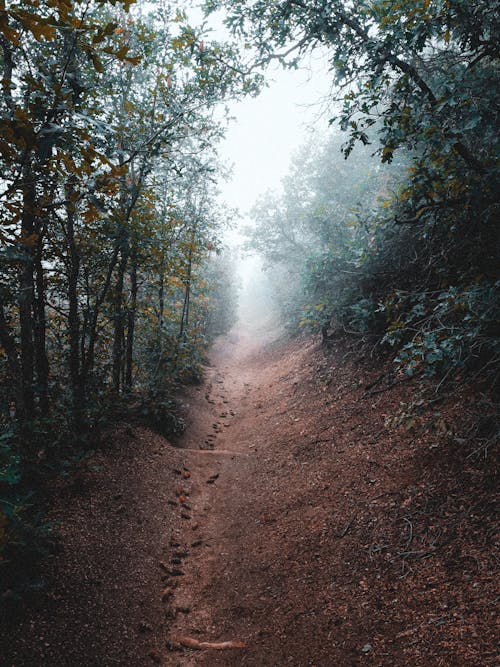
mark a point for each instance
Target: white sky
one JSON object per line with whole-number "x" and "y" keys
{"x": 261, "y": 139}
{"x": 259, "y": 143}
{"x": 266, "y": 131}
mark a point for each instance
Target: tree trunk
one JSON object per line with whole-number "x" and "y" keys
{"x": 40, "y": 329}
{"x": 26, "y": 296}
{"x": 93, "y": 317}
{"x": 118, "y": 315}
{"x": 161, "y": 307}
{"x": 131, "y": 325}
{"x": 187, "y": 296}
{"x": 76, "y": 377}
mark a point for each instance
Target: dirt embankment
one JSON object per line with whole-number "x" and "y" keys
{"x": 295, "y": 521}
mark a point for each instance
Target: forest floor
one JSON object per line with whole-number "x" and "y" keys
{"x": 294, "y": 517}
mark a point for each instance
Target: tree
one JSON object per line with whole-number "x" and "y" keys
{"x": 104, "y": 109}
{"x": 108, "y": 150}
{"x": 316, "y": 236}
{"x": 414, "y": 65}
{"x": 42, "y": 98}
{"x": 420, "y": 77}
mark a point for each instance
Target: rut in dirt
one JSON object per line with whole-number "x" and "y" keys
{"x": 226, "y": 415}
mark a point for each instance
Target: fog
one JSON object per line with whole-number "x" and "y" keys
{"x": 261, "y": 139}
{"x": 266, "y": 130}
{"x": 257, "y": 309}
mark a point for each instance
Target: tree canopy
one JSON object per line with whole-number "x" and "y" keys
{"x": 417, "y": 83}
{"x": 111, "y": 262}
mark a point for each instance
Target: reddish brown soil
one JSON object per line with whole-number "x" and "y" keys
{"x": 295, "y": 520}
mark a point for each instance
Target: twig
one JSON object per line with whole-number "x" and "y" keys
{"x": 318, "y": 442}
{"x": 344, "y": 532}
{"x": 410, "y": 537}
{"x": 394, "y": 384}
{"x": 375, "y": 382}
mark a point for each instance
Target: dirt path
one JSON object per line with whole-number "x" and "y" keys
{"x": 227, "y": 436}
{"x": 315, "y": 534}
{"x": 294, "y": 519}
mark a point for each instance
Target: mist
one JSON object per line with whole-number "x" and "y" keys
{"x": 248, "y": 420}
{"x": 258, "y": 312}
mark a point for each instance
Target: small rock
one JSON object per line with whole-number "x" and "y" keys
{"x": 167, "y": 593}
{"x": 182, "y": 610}
{"x": 367, "y": 648}
{"x": 155, "y": 656}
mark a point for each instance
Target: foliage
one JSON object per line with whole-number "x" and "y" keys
{"x": 24, "y": 531}
{"x": 447, "y": 329}
{"x": 428, "y": 64}
{"x": 319, "y": 235}
{"x": 107, "y": 160}
{"x": 108, "y": 150}
{"x": 221, "y": 310}
{"x": 340, "y": 263}
{"x": 419, "y": 81}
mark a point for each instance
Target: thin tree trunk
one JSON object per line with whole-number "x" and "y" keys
{"x": 131, "y": 325}
{"x": 161, "y": 306}
{"x": 187, "y": 296}
{"x": 188, "y": 302}
{"x": 118, "y": 315}
{"x": 77, "y": 380}
{"x": 40, "y": 331}
{"x": 26, "y": 295}
{"x": 91, "y": 328}
{"x": 185, "y": 307}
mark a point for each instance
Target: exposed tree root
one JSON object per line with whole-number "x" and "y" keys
{"x": 189, "y": 642}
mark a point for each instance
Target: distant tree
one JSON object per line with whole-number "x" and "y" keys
{"x": 423, "y": 77}
{"x": 424, "y": 68}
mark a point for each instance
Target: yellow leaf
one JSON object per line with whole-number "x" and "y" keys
{"x": 9, "y": 33}
{"x": 39, "y": 27}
